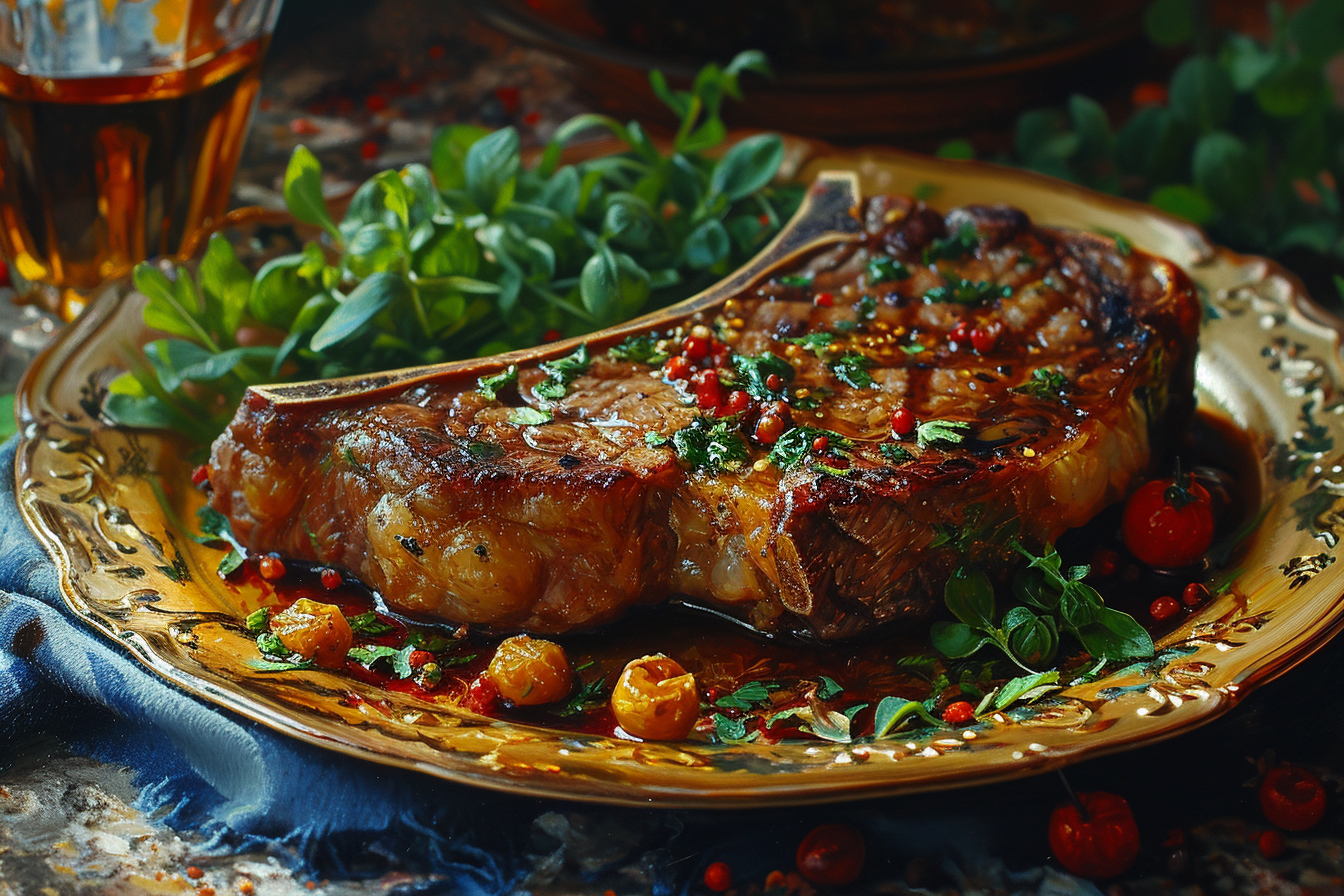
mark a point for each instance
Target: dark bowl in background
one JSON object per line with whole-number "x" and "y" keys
{"x": 925, "y": 88}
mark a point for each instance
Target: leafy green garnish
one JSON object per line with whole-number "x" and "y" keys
{"x": 852, "y": 370}
{"x": 528, "y": 416}
{"x": 588, "y": 697}
{"x": 1044, "y": 384}
{"x": 963, "y": 242}
{"x": 640, "y": 349}
{"x": 891, "y": 712}
{"x": 491, "y": 386}
{"x": 706, "y": 444}
{"x": 729, "y": 730}
{"x": 472, "y": 254}
{"x": 215, "y": 528}
{"x": 796, "y": 280}
{"x": 884, "y": 269}
{"x": 258, "y": 620}
{"x": 748, "y": 696}
{"x": 941, "y": 433}
{"x": 398, "y": 659}
{"x": 795, "y": 446}
{"x": 813, "y": 342}
{"x": 895, "y": 453}
{"x": 368, "y": 624}
{"x": 967, "y": 292}
{"x": 561, "y": 372}
{"x": 754, "y": 370}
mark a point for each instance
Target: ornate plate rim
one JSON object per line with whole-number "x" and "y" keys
{"x": 1169, "y": 700}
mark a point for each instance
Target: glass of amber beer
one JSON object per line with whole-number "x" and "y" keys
{"x": 121, "y": 124}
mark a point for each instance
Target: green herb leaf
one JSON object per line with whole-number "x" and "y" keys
{"x": 754, "y": 370}
{"x": 828, "y": 688}
{"x": 957, "y": 245}
{"x": 885, "y": 269}
{"x": 709, "y": 445}
{"x": 966, "y": 292}
{"x": 639, "y": 349}
{"x": 588, "y": 697}
{"x": 1027, "y": 689}
{"x": 258, "y": 620}
{"x": 1045, "y": 384}
{"x": 303, "y": 191}
{"x": 813, "y": 342}
{"x": 748, "y": 696}
{"x": 368, "y": 624}
{"x": 529, "y": 416}
{"x": 969, "y": 594}
{"x": 941, "y": 433}
{"x": 852, "y": 370}
{"x": 491, "y": 386}
{"x": 891, "y": 712}
{"x": 795, "y": 446}
{"x": 729, "y": 730}
{"x": 560, "y": 372}
{"x": 895, "y": 453}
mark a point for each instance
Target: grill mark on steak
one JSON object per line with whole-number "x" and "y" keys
{"x": 581, "y": 518}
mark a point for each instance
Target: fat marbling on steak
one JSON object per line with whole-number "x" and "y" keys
{"x": 926, "y": 387}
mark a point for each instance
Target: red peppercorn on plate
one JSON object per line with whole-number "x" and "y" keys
{"x": 779, "y": 720}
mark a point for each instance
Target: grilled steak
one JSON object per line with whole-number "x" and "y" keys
{"x": 813, "y": 455}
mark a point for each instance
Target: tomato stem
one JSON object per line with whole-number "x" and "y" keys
{"x": 1179, "y": 494}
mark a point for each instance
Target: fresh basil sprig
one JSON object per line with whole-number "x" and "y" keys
{"x": 473, "y": 254}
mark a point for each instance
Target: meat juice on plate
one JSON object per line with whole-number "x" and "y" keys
{"x": 103, "y": 172}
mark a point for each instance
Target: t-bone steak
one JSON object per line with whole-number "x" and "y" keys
{"x": 812, "y": 454}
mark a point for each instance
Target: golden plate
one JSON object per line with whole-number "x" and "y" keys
{"x": 109, "y": 506}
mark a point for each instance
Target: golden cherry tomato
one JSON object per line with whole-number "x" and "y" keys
{"x": 656, "y": 699}
{"x": 314, "y": 630}
{"x": 529, "y": 671}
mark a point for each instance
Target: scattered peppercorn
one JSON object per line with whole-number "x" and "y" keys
{"x": 331, "y": 579}
{"x": 369, "y": 150}
{"x": 739, "y": 402}
{"x": 823, "y": 300}
{"x": 1105, "y": 562}
{"x": 551, "y": 335}
{"x": 983, "y": 341}
{"x": 195, "y": 873}
{"x": 820, "y": 444}
{"x": 773, "y": 382}
{"x": 719, "y": 877}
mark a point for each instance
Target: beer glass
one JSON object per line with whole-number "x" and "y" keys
{"x": 121, "y": 124}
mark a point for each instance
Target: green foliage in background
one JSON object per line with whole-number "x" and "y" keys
{"x": 471, "y": 255}
{"x": 1249, "y": 142}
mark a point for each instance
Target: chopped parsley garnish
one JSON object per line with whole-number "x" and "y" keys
{"x": 796, "y": 280}
{"x": 1122, "y": 245}
{"x": 754, "y": 370}
{"x": 813, "y": 342}
{"x": 1025, "y": 260}
{"x": 913, "y": 349}
{"x": 400, "y": 659}
{"x": 529, "y": 417}
{"x": 561, "y": 372}
{"x": 748, "y": 696}
{"x": 706, "y": 444}
{"x": 640, "y": 349}
{"x": 431, "y": 641}
{"x": 353, "y": 462}
{"x": 884, "y": 269}
{"x": 967, "y": 292}
{"x": 958, "y": 244}
{"x": 866, "y": 308}
{"x": 1044, "y": 384}
{"x": 258, "y": 620}
{"x": 729, "y": 730}
{"x": 895, "y": 453}
{"x": 795, "y": 446}
{"x": 368, "y": 624}
{"x": 941, "y": 433}
{"x": 485, "y": 450}
{"x": 491, "y": 386}
{"x": 588, "y": 697}
{"x": 271, "y": 645}
{"x": 852, "y": 370}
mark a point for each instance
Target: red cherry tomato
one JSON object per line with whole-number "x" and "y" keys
{"x": 832, "y": 855}
{"x": 1271, "y": 844}
{"x": 1103, "y": 843}
{"x": 959, "y": 713}
{"x": 1166, "y": 525}
{"x": 1292, "y": 798}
